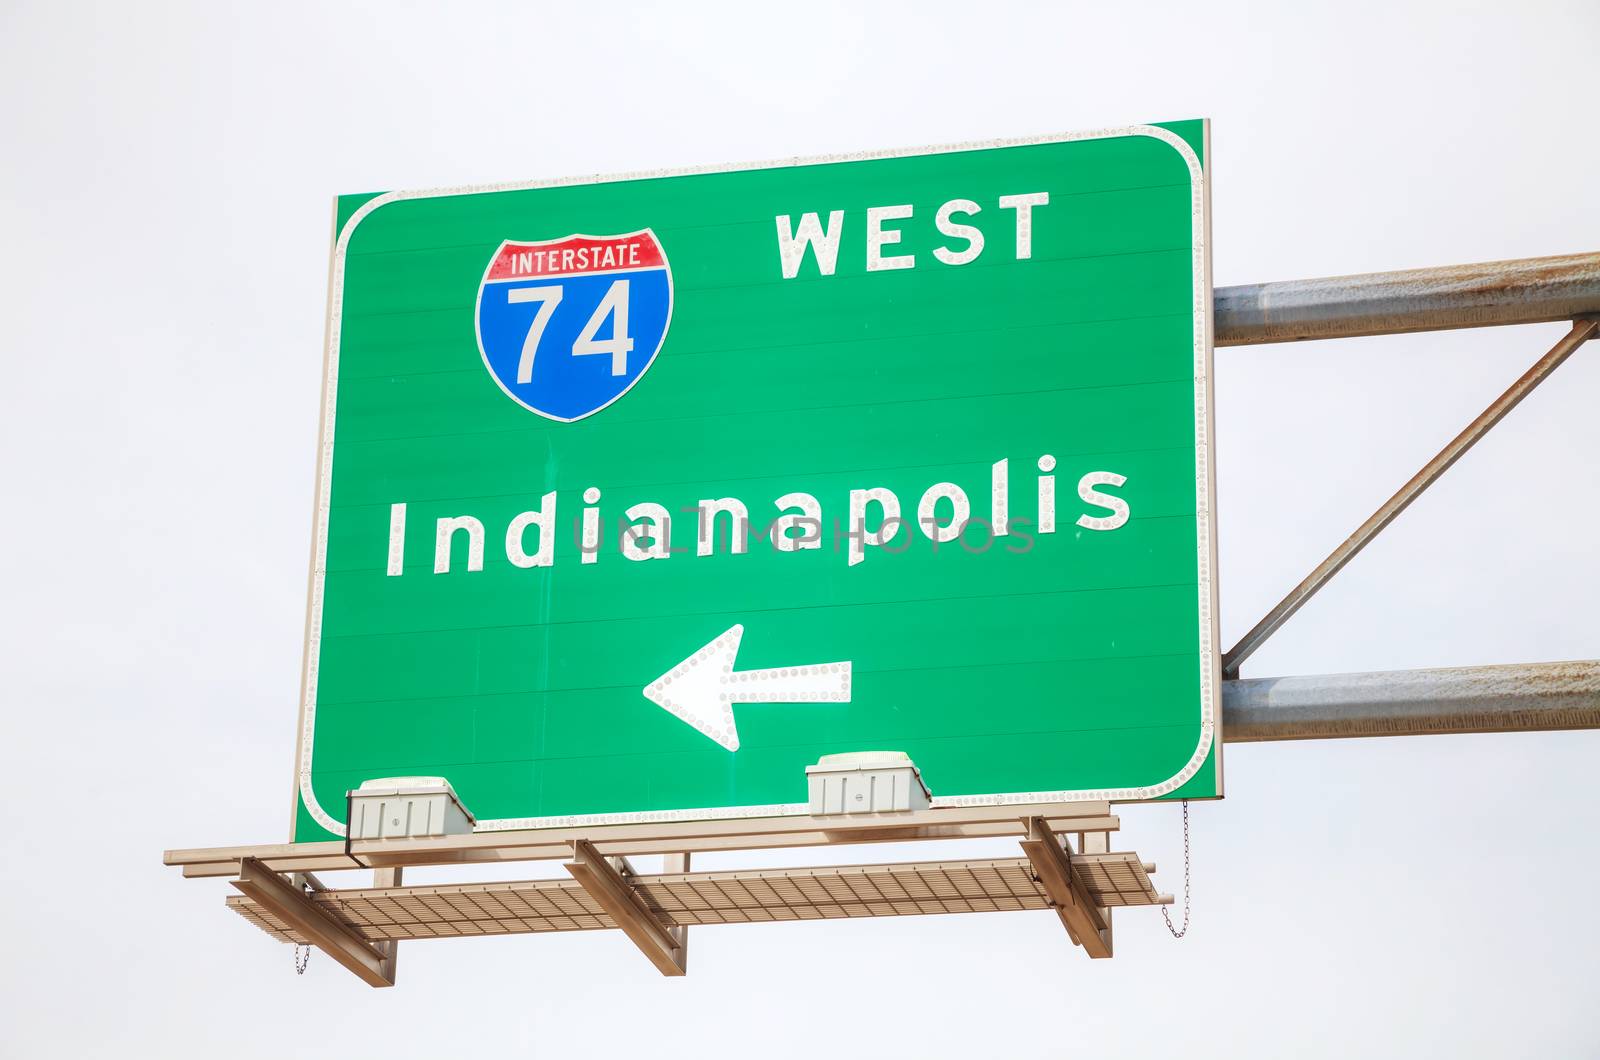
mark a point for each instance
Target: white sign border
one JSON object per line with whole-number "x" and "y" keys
{"x": 1205, "y": 488}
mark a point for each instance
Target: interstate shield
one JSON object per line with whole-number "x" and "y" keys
{"x": 567, "y": 326}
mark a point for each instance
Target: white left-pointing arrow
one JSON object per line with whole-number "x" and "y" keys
{"x": 703, "y": 688}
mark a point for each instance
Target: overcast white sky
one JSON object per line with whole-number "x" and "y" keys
{"x": 165, "y": 178}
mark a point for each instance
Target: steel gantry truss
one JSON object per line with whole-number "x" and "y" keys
{"x": 1067, "y": 865}
{"x": 1472, "y": 699}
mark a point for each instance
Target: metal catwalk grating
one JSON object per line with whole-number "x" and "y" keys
{"x": 746, "y": 897}
{"x": 1115, "y": 880}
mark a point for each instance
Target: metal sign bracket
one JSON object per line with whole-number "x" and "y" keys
{"x": 1088, "y": 924}
{"x": 1233, "y": 659}
{"x": 292, "y": 906}
{"x": 611, "y": 889}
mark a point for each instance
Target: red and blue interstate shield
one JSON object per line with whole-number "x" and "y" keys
{"x": 567, "y": 326}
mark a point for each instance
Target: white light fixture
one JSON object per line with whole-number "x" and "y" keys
{"x": 866, "y": 782}
{"x": 407, "y": 807}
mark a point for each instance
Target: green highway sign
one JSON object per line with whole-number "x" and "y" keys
{"x": 640, "y": 494}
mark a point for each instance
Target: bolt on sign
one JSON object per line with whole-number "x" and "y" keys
{"x": 640, "y": 494}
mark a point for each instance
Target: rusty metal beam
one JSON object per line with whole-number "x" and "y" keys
{"x": 1528, "y": 697}
{"x": 1581, "y": 331}
{"x": 1526, "y": 291}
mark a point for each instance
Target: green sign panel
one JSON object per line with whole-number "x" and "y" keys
{"x": 638, "y": 495}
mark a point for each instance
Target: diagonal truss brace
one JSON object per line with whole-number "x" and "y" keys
{"x": 1085, "y": 923}
{"x": 289, "y": 904}
{"x": 622, "y": 903}
{"x": 1582, "y": 331}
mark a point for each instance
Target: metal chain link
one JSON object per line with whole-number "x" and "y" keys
{"x": 1178, "y": 933}
{"x": 300, "y": 961}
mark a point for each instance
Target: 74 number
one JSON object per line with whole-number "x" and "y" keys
{"x": 613, "y": 305}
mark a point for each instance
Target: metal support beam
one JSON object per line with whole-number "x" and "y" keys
{"x": 1581, "y": 332}
{"x": 1100, "y": 843}
{"x": 662, "y": 837}
{"x": 1052, "y": 864}
{"x": 678, "y": 863}
{"x": 290, "y": 905}
{"x": 1529, "y": 291}
{"x": 390, "y": 949}
{"x": 626, "y": 909}
{"x": 1522, "y": 698}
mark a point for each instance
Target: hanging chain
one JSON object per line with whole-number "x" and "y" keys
{"x": 1178, "y": 933}
{"x": 299, "y": 882}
